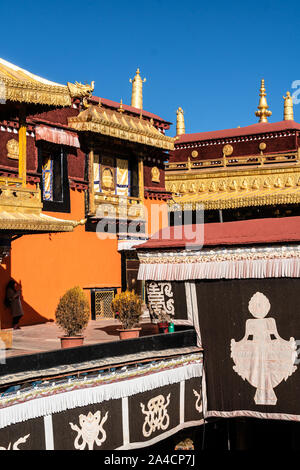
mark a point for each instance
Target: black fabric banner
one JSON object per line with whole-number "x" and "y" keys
{"x": 134, "y": 421}
{"x": 167, "y": 296}
{"x": 94, "y": 427}
{"x": 249, "y": 330}
{"x": 26, "y": 435}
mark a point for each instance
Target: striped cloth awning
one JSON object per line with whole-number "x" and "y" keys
{"x": 57, "y": 136}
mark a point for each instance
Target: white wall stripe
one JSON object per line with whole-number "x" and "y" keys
{"x": 182, "y": 401}
{"x": 48, "y": 425}
{"x": 125, "y": 421}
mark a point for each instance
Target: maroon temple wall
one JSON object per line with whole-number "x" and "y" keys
{"x": 247, "y": 145}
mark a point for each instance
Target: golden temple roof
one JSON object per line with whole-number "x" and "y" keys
{"x": 19, "y": 85}
{"x": 21, "y": 211}
{"x": 38, "y": 223}
{"x": 120, "y": 125}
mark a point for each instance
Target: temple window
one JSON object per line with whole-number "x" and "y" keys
{"x": 54, "y": 181}
{"x": 117, "y": 176}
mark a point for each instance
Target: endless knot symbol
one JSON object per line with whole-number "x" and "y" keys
{"x": 157, "y": 415}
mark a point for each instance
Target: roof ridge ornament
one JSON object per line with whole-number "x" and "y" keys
{"x": 137, "y": 90}
{"x": 288, "y": 113}
{"x": 263, "y": 109}
{"x": 121, "y": 109}
{"x": 78, "y": 90}
{"x": 180, "y": 125}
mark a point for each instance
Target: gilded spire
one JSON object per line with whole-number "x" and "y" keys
{"x": 121, "y": 109}
{"x": 263, "y": 109}
{"x": 180, "y": 126}
{"x": 288, "y": 113}
{"x": 137, "y": 90}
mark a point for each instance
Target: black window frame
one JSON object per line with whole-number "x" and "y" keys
{"x": 58, "y": 151}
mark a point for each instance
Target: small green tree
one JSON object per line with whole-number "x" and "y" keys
{"x": 128, "y": 306}
{"x": 73, "y": 311}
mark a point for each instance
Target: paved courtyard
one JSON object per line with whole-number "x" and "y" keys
{"x": 44, "y": 337}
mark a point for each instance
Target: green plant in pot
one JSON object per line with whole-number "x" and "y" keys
{"x": 72, "y": 315}
{"x": 128, "y": 307}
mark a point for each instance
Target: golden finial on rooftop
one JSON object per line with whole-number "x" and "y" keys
{"x": 137, "y": 90}
{"x": 180, "y": 126}
{"x": 121, "y": 109}
{"x": 263, "y": 109}
{"x": 288, "y": 113}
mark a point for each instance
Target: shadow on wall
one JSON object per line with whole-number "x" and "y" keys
{"x": 31, "y": 316}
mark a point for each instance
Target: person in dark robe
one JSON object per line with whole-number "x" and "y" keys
{"x": 13, "y": 301}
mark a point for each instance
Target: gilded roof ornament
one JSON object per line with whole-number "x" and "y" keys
{"x": 137, "y": 90}
{"x": 78, "y": 90}
{"x": 120, "y": 125}
{"x": 288, "y": 113}
{"x": 20, "y": 85}
{"x": 263, "y": 109}
{"x": 180, "y": 125}
{"x": 121, "y": 109}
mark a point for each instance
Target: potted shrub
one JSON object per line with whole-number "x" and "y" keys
{"x": 72, "y": 315}
{"x": 128, "y": 305}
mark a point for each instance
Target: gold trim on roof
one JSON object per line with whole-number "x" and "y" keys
{"x": 236, "y": 188}
{"x": 21, "y": 86}
{"x": 21, "y": 210}
{"x": 115, "y": 124}
{"x": 19, "y": 221}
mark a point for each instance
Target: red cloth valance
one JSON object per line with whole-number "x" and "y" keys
{"x": 57, "y": 136}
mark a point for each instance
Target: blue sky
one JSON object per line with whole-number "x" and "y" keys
{"x": 207, "y": 57}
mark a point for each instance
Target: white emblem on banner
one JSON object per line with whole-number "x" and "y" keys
{"x": 157, "y": 415}
{"x": 20, "y": 441}
{"x": 160, "y": 297}
{"x": 91, "y": 426}
{"x": 262, "y": 357}
{"x": 198, "y": 404}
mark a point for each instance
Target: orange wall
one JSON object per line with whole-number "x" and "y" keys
{"x": 157, "y": 215}
{"x": 49, "y": 264}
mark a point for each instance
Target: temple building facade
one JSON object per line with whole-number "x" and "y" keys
{"x": 241, "y": 173}
{"x": 234, "y": 277}
{"x": 84, "y": 165}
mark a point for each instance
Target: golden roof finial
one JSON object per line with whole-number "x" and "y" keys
{"x": 263, "y": 109}
{"x": 288, "y": 113}
{"x": 180, "y": 126}
{"x": 121, "y": 109}
{"x": 137, "y": 90}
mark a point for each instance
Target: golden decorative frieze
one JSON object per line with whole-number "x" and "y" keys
{"x": 233, "y": 189}
{"x": 118, "y": 207}
{"x": 115, "y": 124}
{"x": 16, "y": 198}
{"x": 21, "y": 210}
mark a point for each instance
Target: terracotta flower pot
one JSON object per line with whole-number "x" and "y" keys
{"x": 129, "y": 333}
{"x": 71, "y": 341}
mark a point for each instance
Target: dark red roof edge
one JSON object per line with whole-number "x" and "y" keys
{"x": 258, "y": 128}
{"x": 244, "y": 232}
